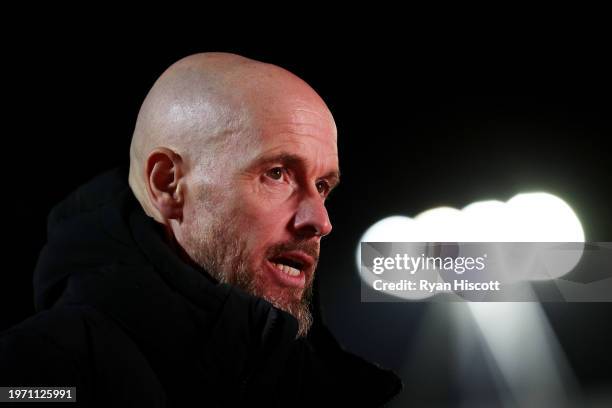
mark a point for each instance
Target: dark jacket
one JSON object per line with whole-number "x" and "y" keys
{"x": 125, "y": 320}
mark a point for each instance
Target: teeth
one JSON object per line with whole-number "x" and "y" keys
{"x": 288, "y": 270}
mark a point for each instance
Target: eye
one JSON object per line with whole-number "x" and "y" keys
{"x": 275, "y": 173}
{"x": 322, "y": 187}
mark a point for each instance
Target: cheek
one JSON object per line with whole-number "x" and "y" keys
{"x": 261, "y": 224}
{"x": 264, "y": 217}
{"x": 206, "y": 201}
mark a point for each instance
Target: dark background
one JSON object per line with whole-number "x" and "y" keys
{"x": 421, "y": 124}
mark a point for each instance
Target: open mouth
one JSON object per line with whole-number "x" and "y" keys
{"x": 288, "y": 266}
{"x": 291, "y": 268}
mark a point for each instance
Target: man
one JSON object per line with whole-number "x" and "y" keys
{"x": 194, "y": 283}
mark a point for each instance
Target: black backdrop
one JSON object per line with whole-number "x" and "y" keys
{"x": 420, "y": 125}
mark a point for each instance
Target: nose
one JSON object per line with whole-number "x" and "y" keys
{"x": 311, "y": 218}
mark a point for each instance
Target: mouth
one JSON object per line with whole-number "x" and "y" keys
{"x": 290, "y": 269}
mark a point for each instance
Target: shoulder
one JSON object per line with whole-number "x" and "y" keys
{"x": 56, "y": 332}
{"x": 70, "y": 330}
{"x": 77, "y": 346}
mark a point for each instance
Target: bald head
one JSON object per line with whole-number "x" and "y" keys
{"x": 205, "y": 104}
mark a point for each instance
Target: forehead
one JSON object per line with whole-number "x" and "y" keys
{"x": 301, "y": 128}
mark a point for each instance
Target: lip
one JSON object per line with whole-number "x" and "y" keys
{"x": 301, "y": 257}
{"x": 284, "y": 279}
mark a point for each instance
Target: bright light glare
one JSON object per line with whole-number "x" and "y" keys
{"x": 527, "y": 217}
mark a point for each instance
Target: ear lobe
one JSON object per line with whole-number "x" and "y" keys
{"x": 164, "y": 181}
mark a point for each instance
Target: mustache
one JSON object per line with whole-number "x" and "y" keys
{"x": 310, "y": 248}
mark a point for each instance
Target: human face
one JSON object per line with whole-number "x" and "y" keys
{"x": 264, "y": 227}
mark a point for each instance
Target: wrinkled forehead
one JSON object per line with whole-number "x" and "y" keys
{"x": 303, "y": 122}
{"x": 301, "y": 131}
{"x": 274, "y": 113}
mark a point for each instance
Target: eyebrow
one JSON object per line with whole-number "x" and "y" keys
{"x": 290, "y": 159}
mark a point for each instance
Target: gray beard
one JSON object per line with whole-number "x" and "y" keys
{"x": 220, "y": 251}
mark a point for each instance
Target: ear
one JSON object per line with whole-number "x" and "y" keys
{"x": 164, "y": 180}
